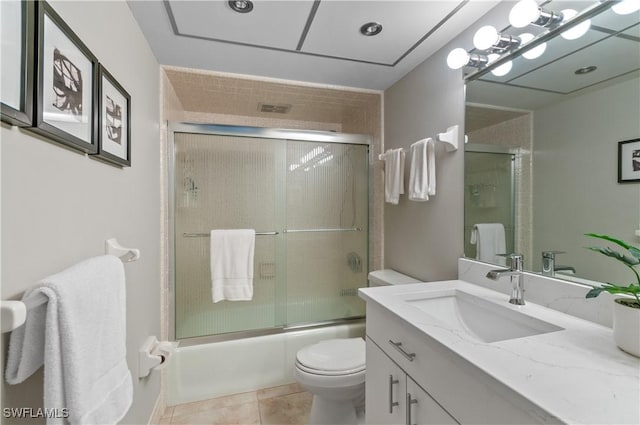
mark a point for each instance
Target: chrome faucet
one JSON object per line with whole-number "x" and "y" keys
{"x": 517, "y": 278}
{"x": 549, "y": 262}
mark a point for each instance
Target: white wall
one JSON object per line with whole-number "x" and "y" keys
{"x": 425, "y": 239}
{"x": 575, "y": 168}
{"x": 59, "y": 206}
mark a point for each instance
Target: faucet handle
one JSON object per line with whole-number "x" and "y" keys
{"x": 551, "y": 254}
{"x": 516, "y": 260}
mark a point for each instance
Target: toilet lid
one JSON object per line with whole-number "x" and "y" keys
{"x": 334, "y": 355}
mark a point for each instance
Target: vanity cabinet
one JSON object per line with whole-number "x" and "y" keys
{"x": 402, "y": 360}
{"x": 394, "y": 398}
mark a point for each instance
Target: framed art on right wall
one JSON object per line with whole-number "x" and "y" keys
{"x": 629, "y": 161}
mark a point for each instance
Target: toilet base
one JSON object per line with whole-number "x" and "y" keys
{"x": 325, "y": 412}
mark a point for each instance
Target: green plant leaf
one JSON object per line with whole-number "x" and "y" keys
{"x": 632, "y": 249}
{"x": 594, "y": 292}
{"x": 626, "y": 259}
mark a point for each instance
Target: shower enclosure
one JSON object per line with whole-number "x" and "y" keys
{"x": 489, "y": 180}
{"x": 306, "y": 195}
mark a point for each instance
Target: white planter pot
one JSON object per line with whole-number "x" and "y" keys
{"x": 626, "y": 326}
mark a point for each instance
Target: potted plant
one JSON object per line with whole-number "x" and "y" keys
{"x": 626, "y": 311}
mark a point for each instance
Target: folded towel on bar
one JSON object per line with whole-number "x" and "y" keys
{"x": 80, "y": 337}
{"x": 232, "y": 264}
{"x": 489, "y": 240}
{"x": 422, "y": 174}
{"x": 393, "y": 175}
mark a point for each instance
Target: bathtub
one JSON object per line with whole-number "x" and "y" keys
{"x": 204, "y": 371}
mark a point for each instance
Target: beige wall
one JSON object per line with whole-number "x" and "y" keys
{"x": 575, "y": 178}
{"x": 59, "y": 206}
{"x": 425, "y": 239}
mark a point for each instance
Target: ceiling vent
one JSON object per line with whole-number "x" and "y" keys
{"x": 274, "y": 109}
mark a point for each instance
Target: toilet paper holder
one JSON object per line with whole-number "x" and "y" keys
{"x": 154, "y": 355}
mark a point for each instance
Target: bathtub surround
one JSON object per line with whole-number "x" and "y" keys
{"x": 58, "y": 207}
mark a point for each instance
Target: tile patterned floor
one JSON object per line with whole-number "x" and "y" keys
{"x": 284, "y": 405}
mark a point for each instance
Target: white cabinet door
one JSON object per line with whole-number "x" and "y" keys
{"x": 422, "y": 409}
{"x": 385, "y": 389}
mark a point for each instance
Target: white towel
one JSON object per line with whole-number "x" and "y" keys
{"x": 393, "y": 175}
{"x": 422, "y": 175}
{"x": 80, "y": 337}
{"x": 489, "y": 240}
{"x": 232, "y": 264}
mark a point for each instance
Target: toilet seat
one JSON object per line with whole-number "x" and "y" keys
{"x": 333, "y": 357}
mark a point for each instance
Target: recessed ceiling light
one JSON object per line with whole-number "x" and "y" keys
{"x": 241, "y": 6}
{"x": 371, "y": 28}
{"x": 585, "y": 70}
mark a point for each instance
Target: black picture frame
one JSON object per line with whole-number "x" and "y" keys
{"x": 629, "y": 161}
{"x": 17, "y": 107}
{"x": 114, "y": 121}
{"x": 66, "y": 77}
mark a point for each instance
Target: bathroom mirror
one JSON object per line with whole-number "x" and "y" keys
{"x": 542, "y": 152}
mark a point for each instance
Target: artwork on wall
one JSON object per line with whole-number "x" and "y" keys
{"x": 629, "y": 161}
{"x": 114, "y": 109}
{"x": 66, "y": 106}
{"x": 17, "y": 33}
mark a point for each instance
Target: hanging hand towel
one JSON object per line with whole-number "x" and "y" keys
{"x": 393, "y": 175}
{"x": 232, "y": 264}
{"x": 80, "y": 337}
{"x": 422, "y": 175}
{"x": 489, "y": 240}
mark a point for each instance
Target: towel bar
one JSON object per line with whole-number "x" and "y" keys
{"x": 14, "y": 313}
{"x": 206, "y": 235}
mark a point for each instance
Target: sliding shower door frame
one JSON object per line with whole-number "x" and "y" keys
{"x": 252, "y": 132}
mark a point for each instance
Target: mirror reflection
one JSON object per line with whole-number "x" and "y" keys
{"x": 541, "y": 163}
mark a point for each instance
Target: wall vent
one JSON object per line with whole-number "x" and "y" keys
{"x": 274, "y": 109}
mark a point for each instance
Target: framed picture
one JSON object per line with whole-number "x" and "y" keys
{"x": 66, "y": 101}
{"x": 629, "y": 161}
{"x": 17, "y": 32}
{"x": 114, "y": 122}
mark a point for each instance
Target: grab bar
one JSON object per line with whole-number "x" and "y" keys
{"x": 206, "y": 235}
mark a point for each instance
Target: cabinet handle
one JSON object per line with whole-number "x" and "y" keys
{"x": 410, "y": 401}
{"x": 392, "y": 403}
{"x": 398, "y": 346}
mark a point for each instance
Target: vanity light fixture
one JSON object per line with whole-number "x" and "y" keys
{"x": 241, "y": 6}
{"x": 488, "y": 38}
{"x": 527, "y": 12}
{"x": 534, "y": 53}
{"x": 626, "y": 7}
{"x": 459, "y": 58}
{"x": 503, "y": 69}
{"x": 577, "y": 31}
{"x": 370, "y": 29}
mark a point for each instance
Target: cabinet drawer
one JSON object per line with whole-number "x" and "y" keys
{"x": 467, "y": 393}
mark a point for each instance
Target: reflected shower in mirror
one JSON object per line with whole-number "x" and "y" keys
{"x": 560, "y": 117}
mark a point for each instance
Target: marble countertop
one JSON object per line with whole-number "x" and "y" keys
{"x": 576, "y": 374}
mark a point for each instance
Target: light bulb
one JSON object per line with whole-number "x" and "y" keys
{"x": 523, "y": 13}
{"x": 502, "y": 69}
{"x": 626, "y": 7}
{"x": 457, "y": 58}
{"x": 534, "y": 53}
{"x": 577, "y": 31}
{"x": 485, "y": 37}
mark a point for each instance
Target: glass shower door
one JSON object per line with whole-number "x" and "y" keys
{"x": 489, "y": 195}
{"x": 327, "y": 228}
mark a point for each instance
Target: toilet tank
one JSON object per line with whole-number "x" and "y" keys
{"x": 389, "y": 277}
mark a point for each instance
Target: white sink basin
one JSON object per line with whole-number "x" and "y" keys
{"x": 460, "y": 311}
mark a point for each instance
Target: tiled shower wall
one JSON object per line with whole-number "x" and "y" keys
{"x": 207, "y": 97}
{"x": 516, "y": 133}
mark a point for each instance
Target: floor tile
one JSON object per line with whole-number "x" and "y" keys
{"x": 214, "y": 403}
{"x": 292, "y": 409}
{"x": 279, "y": 391}
{"x": 238, "y": 414}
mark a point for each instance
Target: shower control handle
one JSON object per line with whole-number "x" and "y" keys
{"x": 398, "y": 346}
{"x": 392, "y": 403}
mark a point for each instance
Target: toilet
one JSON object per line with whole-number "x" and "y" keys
{"x": 333, "y": 370}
